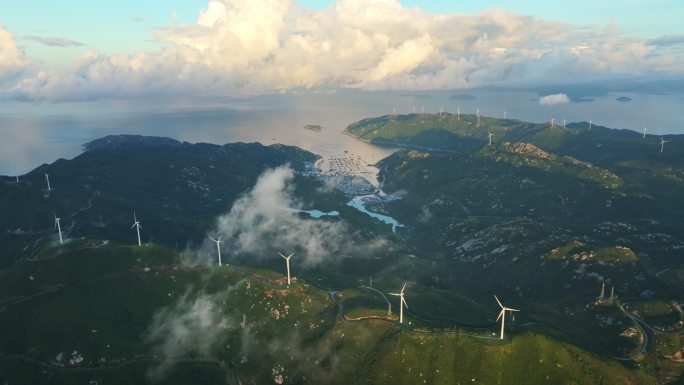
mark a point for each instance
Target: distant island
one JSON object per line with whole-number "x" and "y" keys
{"x": 623, "y": 99}
{"x": 313, "y": 127}
{"x": 581, "y": 100}
{"x": 462, "y": 97}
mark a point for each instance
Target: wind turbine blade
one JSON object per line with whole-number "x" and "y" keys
{"x": 501, "y": 313}
{"x": 394, "y": 294}
{"x": 219, "y": 238}
{"x": 509, "y": 309}
{"x": 497, "y": 301}
{"x": 282, "y": 256}
{"x": 404, "y": 301}
{"x": 404, "y": 287}
{"x": 290, "y": 256}
{"x": 134, "y": 225}
{"x": 213, "y": 239}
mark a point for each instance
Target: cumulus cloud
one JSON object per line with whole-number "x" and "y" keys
{"x": 262, "y": 46}
{"x": 53, "y": 41}
{"x": 260, "y": 224}
{"x": 13, "y": 61}
{"x": 552, "y": 100}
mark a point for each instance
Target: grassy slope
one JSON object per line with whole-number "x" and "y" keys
{"x": 106, "y": 289}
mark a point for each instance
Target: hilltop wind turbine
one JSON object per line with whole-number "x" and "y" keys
{"x": 287, "y": 260}
{"x": 17, "y": 178}
{"x": 218, "y": 246}
{"x": 563, "y": 122}
{"x": 644, "y": 131}
{"x": 603, "y": 290}
{"x": 490, "y": 137}
{"x": 552, "y": 120}
{"x": 47, "y": 179}
{"x": 502, "y": 315}
{"x": 402, "y": 303}
{"x": 58, "y": 227}
{"x": 662, "y": 144}
{"x": 478, "y": 117}
{"x": 458, "y": 113}
{"x": 136, "y": 224}
{"x": 590, "y": 124}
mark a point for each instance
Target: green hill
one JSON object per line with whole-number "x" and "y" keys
{"x": 96, "y": 313}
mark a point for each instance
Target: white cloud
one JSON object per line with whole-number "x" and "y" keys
{"x": 260, "y": 224}
{"x": 188, "y": 326}
{"x": 552, "y": 100}
{"x": 13, "y": 61}
{"x": 262, "y": 46}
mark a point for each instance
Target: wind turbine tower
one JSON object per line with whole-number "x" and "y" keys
{"x": 137, "y": 226}
{"x": 590, "y": 124}
{"x": 505, "y": 114}
{"x": 502, "y": 315}
{"x": 47, "y": 179}
{"x": 218, "y": 247}
{"x": 402, "y": 303}
{"x": 287, "y": 261}
{"x": 662, "y": 144}
{"x": 552, "y": 120}
{"x": 612, "y": 293}
{"x": 490, "y": 137}
{"x": 478, "y": 117}
{"x": 58, "y": 227}
{"x": 644, "y": 131}
{"x": 603, "y": 290}
{"x": 563, "y": 122}
{"x": 458, "y": 113}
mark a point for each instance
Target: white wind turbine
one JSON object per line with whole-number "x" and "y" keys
{"x": 490, "y": 137}
{"x": 402, "y": 303}
{"x": 590, "y": 124}
{"x": 662, "y": 144}
{"x": 218, "y": 247}
{"x": 502, "y": 315}
{"x": 458, "y": 113}
{"x": 563, "y": 122}
{"x": 644, "y": 131}
{"x": 136, "y": 224}
{"x": 478, "y": 117}
{"x": 58, "y": 227}
{"x": 287, "y": 261}
{"x": 552, "y": 120}
{"x": 47, "y": 179}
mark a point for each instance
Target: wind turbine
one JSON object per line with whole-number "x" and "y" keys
{"x": 58, "y": 227}
{"x": 502, "y": 315}
{"x": 552, "y": 120}
{"x": 644, "y": 130}
{"x": 490, "y": 137}
{"x": 478, "y": 117}
{"x": 402, "y": 303}
{"x": 287, "y": 260}
{"x": 17, "y": 178}
{"x": 590, "y": 124}
{"x": 563, "y": 122}
{"x": 218, "y": 246}
{"x": 136, "y": 224}
{"x": 662, "y": 144}
{"x": 603, "y": 290}
{"x": 47, "y": 179}
{"x": 505, "y": 114}
{"x": 458, "y": 113}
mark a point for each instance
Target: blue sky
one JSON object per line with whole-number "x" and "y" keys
{"x": 125, "y": 26}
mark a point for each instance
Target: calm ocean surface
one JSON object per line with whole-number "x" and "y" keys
{"x": 36, "y": 133}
